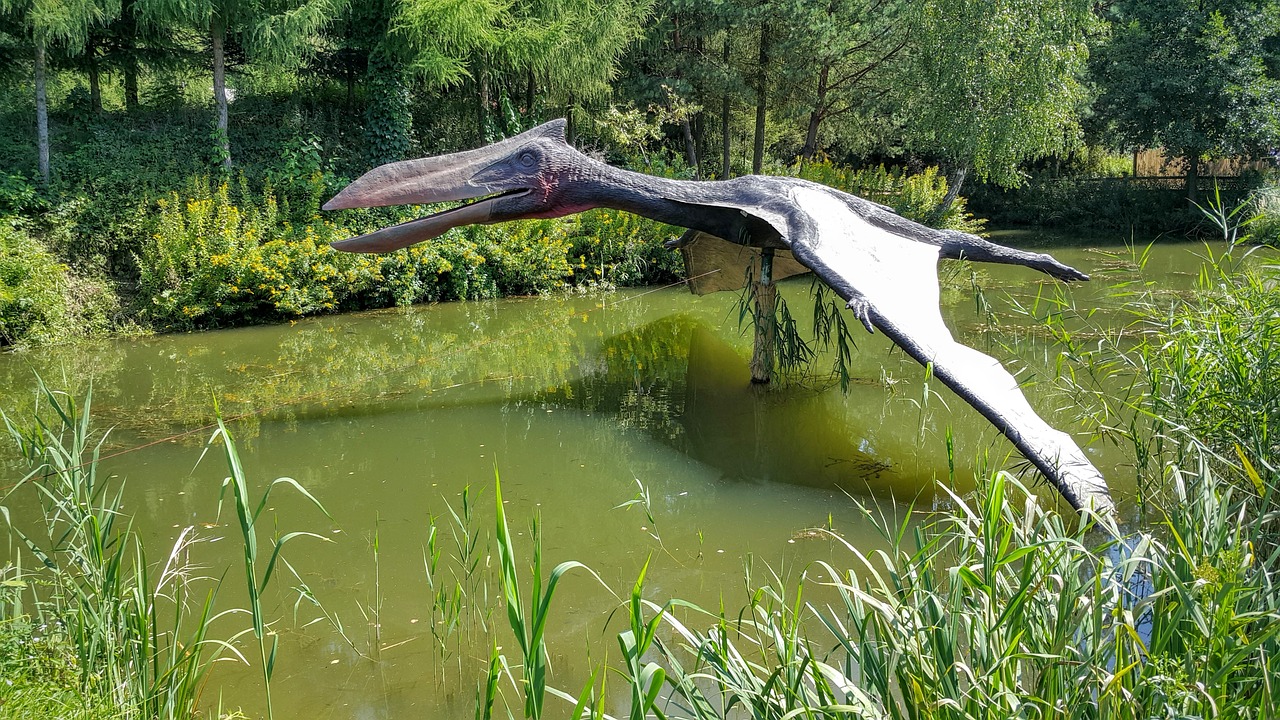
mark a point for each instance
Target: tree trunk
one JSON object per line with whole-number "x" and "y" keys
{"x": 530, "y": 90}
{"x": 690, "y": 147}
{"x": 569, "y": 131}
{"x": 388, "y": 124}
{"x": 95, "y": 76}
{"x": 815, "y": 117}
{"x": 726, "y": 164}
{"x": 42, "y": 115}
{"x": 482, "y": 103}
{"x": 131, "y": 85}
{"x": 699, "y": 140}
{"x": 1193, "y": 175}
{"x": 762, "y": 87}
{"x": 351, "y": 83}
{"x": 955, "y": 180}
{"x": 699, "y": 120}
{"x": 218, "y": 33}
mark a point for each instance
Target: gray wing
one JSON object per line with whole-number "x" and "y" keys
{"x": 897, "y": 280}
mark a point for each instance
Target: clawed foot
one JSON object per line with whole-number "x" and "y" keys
{"x": 861, "y": 309}
{"x": 681, "y": 241}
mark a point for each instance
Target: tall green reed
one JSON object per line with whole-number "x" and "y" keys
{"x": 529, "y": 625}
{"x": 998, "y": 608}
{"x": 140, "y": 633}
{"x": 247, "y": 516}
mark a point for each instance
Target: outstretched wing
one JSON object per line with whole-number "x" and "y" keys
{"x": 898, "y": 280}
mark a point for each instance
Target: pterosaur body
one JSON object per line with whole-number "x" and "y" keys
{"x": 883, "y": 265}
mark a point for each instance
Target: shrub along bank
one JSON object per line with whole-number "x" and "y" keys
{"x": 1123, "y": 205}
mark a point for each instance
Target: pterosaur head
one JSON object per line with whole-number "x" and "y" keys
{"x": 521, "y": 177}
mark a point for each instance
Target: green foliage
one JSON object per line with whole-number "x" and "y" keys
{"x": 33, "y": 301}
{"x": 1191, "y": 381}
{"x": 1198, "y": 78}
{"x": 387, "y": 121}
{"x": 40, "y": 673}
{"x": 17, "y": 195}
{"x": 997, "y": 605}
{"x": 1265, "y": 225}
{"x": 138, "y": 632}
{"x": 214, "y": 262}
{"x": 914, "y": 196}
{"x": 1120, "y": 205}
{"x": 997, "y": 81}
{"x": 618, "y": 248}
{"x": 528, "y": 625}
{"x": 247, "y": 516}
{"x": 835, "y": 63}
{"x": 1215, "y": 374}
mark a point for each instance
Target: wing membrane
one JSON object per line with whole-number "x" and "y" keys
{"x": 898, "y": 277}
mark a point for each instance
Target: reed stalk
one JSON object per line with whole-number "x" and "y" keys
{"x": 247, "y": 516}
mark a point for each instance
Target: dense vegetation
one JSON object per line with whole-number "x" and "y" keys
{"x": 129, "y": 126}
{"x": 991, "y": 606}
{"x": 162, "y": 164}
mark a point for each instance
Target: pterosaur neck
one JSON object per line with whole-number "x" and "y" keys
{"x": 684, "y": 203}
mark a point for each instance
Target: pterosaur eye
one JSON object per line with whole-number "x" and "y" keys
{"x": 526, "y": 159}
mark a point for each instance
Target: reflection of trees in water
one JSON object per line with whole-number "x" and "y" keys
{"x": 677, "y": 382}
{"x": 369, "y": 362}
{"x": 667, "y": 376}
{"x": 638, "y": 376}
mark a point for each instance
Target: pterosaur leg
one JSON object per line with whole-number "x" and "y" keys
{"x": 861, "y": 308}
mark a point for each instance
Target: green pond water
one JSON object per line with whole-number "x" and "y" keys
{"x": 581, "y": 402}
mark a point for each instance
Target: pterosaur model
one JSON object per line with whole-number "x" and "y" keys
{"x": 882, "y": 264}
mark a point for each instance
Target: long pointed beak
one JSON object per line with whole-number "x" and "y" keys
{"x": 459, "y": 176}
{"x": 419, "y": 182}
{"x": 414, "y": 231}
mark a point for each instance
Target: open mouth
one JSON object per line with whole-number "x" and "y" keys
{"x": 472, "y": 203}
{"x": 473, "y": 212}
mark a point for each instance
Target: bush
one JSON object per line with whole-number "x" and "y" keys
{"x": 33, "y": 286}
{"x": 214, "y": 262}
{"x": 618, "y": 248}
{"x": 1111, "y": 204}
{"x": 912, "y": 196}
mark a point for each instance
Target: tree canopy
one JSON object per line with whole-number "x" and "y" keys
{"x": 995, "y": 83}
{"x": 728, "y": 86}
{"x": 1198, "y": 78}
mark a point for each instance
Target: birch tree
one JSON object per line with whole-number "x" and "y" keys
{"x": 994, "y": 83}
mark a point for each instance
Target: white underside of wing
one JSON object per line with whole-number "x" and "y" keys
{"x": 899, "y": 277}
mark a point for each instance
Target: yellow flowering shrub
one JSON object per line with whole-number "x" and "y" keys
{"x": 619, "y": 248}
{"x": 214, "y": 262}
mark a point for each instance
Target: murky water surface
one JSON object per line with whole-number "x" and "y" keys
{"x": 625, "y": 421}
